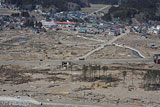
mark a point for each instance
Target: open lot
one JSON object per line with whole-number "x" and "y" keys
{"x": 56, "y": 45}
{"x": 24, "y": 45}
{"x": 112, "y": 52}
{"x": 142, "y": 44}
{"x": 54, "y": 87}
{"x": 38, "y": 85}
{"x": 31, "y": 71}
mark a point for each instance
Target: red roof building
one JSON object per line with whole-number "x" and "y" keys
{"x": 67, "y": 23}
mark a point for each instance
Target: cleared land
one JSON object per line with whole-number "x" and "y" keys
{"x": 24, "y": 45}
{"x": 144, "y": 45}
{"x": 46, "y": 83}
{"x": 52, "y": 45}
{"x": 95, "y": 7}
{"x": 112, "y": 52}
{"x": 60, "y": 88}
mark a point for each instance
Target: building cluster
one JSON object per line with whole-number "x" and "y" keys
{"x": 16, "y": 22}
{"x": 147, "y": 28}
{"x": 81, "y": 22}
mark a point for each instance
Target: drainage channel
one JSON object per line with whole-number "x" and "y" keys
{"x": 136, "y": 54}
{"x": 134, "y": 51}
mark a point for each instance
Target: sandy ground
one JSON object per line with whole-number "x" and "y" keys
{"x": 51, "y": 45}
{"x": 112, "y": 52}
{"x": 142, "y": 44}
{"x": 68, "y": 45}
{"x": 58, "y": 87}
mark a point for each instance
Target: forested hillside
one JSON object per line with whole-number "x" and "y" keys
{"x": 59, "y": 4}
{"x": 142, "y": 10}
{"x": 113, "y": 2}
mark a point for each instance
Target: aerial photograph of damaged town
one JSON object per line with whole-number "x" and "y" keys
{"x": 79, "y": 53}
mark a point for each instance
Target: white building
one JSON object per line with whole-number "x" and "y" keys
{"x": 158, "y": 27}
{"x": 155, "y": 31}
{"x": 48, "y": 24}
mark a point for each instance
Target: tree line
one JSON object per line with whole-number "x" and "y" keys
{"x": 112, "y": 2}
{"x": 150, "y": 78}
{"x": 93, "y": 72}
{"x": 128, "y": 9}
{"x": 31, "y": 4}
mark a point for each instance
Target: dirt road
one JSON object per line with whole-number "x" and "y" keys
{"x": 101, "y": 47}
{"x": 51, "y": 63}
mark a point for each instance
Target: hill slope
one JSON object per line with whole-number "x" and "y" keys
{"x": 58, "y": 4}
{"x": 142, "y": 10}
{"x": 113, "y": 2}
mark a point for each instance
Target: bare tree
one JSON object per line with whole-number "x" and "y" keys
{"x": 105, "y": 68}
{"x": 124, "y": 76}
{"x": 91, "y": 71}
{"x": 132, "y": 77}
{"x": 99, "y": 68}
{"x": 94, "y": 71}
{"x": 84, "y": 69}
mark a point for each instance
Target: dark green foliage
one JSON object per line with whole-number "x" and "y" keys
{"x": 30, "y": 4}
{"x": 45, "y": 3}
{"x": 144, "y": 5}
{"x": 60, "y": 4}
{"x": 29, "y": 23}
{"x": 90, "y": 72}
{"x": 107, "y": 17}
{"x": 15, "y": 14}
{"x": 121, "y": 13}
{"x": 104, "y": 1}
{"x": 148, "y": 7}
{"x": 124, "y": 76}
{"x": 124, "y": 13}
{"x": 104, "y": 68}
{"x": 25, "y": 14}
{"x": 38, "y": 24}
{"x": 85, "y": 69}
{"x": 79, "y": 2}
{"x": 129, "y": 8}
{"x": 25, "y": 4}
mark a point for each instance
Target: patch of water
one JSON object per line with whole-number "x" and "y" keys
{"x": 137, "y": 54}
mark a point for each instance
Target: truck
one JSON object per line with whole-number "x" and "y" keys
{"x": 156, "y": 58}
